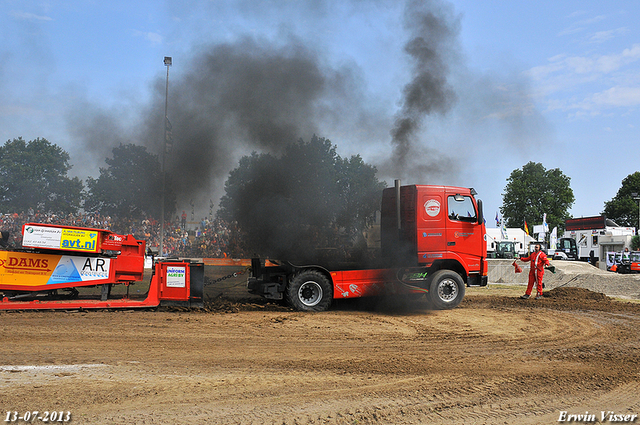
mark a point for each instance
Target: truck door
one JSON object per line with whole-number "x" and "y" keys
{"x": 431, "y": 226}
{"x": 463, "y": 234}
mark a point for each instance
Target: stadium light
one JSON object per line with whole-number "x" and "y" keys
{"x": 637, "y": 199}
{"x": 167, "y": 62}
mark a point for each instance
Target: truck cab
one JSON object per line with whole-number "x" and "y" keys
{"x": 434, "y": 227}
{"x": 432, "y": 243}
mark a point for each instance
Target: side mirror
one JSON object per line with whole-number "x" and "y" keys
{"x": 480, "y": 214}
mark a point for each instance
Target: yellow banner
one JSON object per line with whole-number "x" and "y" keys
{"x": 79, "y": 240}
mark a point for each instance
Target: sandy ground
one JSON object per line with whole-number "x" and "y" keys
{"x": 495, "y": 359}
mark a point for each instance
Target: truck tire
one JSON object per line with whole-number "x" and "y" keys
{"x": 309, "y": 290}
{"x": 446, "y": 289}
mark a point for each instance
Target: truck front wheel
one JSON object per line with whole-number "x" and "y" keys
{"x": 309, "y": 290}
{"x": 446, "y": 289}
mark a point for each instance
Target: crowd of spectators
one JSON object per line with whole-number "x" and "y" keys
{"x": 210, "y": 238}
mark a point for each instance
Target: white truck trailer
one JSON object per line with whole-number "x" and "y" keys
{"x": 596, "y": 235}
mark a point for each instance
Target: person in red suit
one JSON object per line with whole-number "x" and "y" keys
{"x": 538, "y": 261}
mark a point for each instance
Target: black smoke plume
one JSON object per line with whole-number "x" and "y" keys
{"x": 230, "y": 99}
{"x": 240, "y": 97}
{"x": 433, "y": 45}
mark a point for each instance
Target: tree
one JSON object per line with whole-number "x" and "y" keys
{"x": 34, "y": 175}
{"x": 534, "y": 191}
{"x": 309, "y": 197}
{"x": 131, "y": 185}
{"x": 623, "y": 208}
{"x": 359, "y": 193}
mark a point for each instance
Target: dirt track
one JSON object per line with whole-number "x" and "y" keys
{"x": 493, "y": 360}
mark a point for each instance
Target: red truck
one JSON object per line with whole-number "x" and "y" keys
{"x": 432, "y": 242}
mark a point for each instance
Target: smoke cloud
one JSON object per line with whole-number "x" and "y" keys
{"x": 238, "y": 97}
{"x": 432, "y": 47}
{"x": 228, "y": 99}
{"x": 234, "y": 98}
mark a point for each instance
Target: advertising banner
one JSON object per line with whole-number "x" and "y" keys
{"x": 60, "y": 238}
{"x": 176, "y": 277}
{"x": 28, "y": 269}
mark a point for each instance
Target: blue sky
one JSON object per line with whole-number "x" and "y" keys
{"x": 550, "y": 82}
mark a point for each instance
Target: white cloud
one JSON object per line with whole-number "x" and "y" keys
{"x": 571, "y": 30}
{"x": 592, "y": 84}
{"x": 602, "y": 36}
{"x": 153, "y": 37}
{"x": 577, "y": 13}
{"x": 581, "y": 25}
{"x": 593, "y": 20}
{"x": 609, "y": 63}
{"x": 26, "y": 16}
{"x": 597, "y": 103}
{"x": 617, "y": 97}
{"x": 579, "y": 65}
{"x": 586, "y": 68}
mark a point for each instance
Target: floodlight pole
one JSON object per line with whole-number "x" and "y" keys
{"x": 636, "y": 198}
{"x": 167, "y": 63}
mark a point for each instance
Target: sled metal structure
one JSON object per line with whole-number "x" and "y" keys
{"x": 55, "y": 262}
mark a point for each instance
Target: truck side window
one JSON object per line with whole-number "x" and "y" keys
{"x": 461, "y": 208}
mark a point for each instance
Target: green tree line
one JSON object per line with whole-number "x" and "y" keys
{"x": 309, "y": 186}
{"x": 34, "y": 175}
{"x": 299, "y": 198}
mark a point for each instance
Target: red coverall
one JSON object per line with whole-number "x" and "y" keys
{"x": 538, "y": 261}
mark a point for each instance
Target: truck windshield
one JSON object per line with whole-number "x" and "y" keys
{"x": 462, "y": 209}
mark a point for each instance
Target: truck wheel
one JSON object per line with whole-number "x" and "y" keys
{"x": 446, "y": 289}
{"x": 309, "y": 290}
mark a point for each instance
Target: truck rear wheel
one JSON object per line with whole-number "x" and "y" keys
{"x": 446, "y": 289}
{"x": 309, "y": 290}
